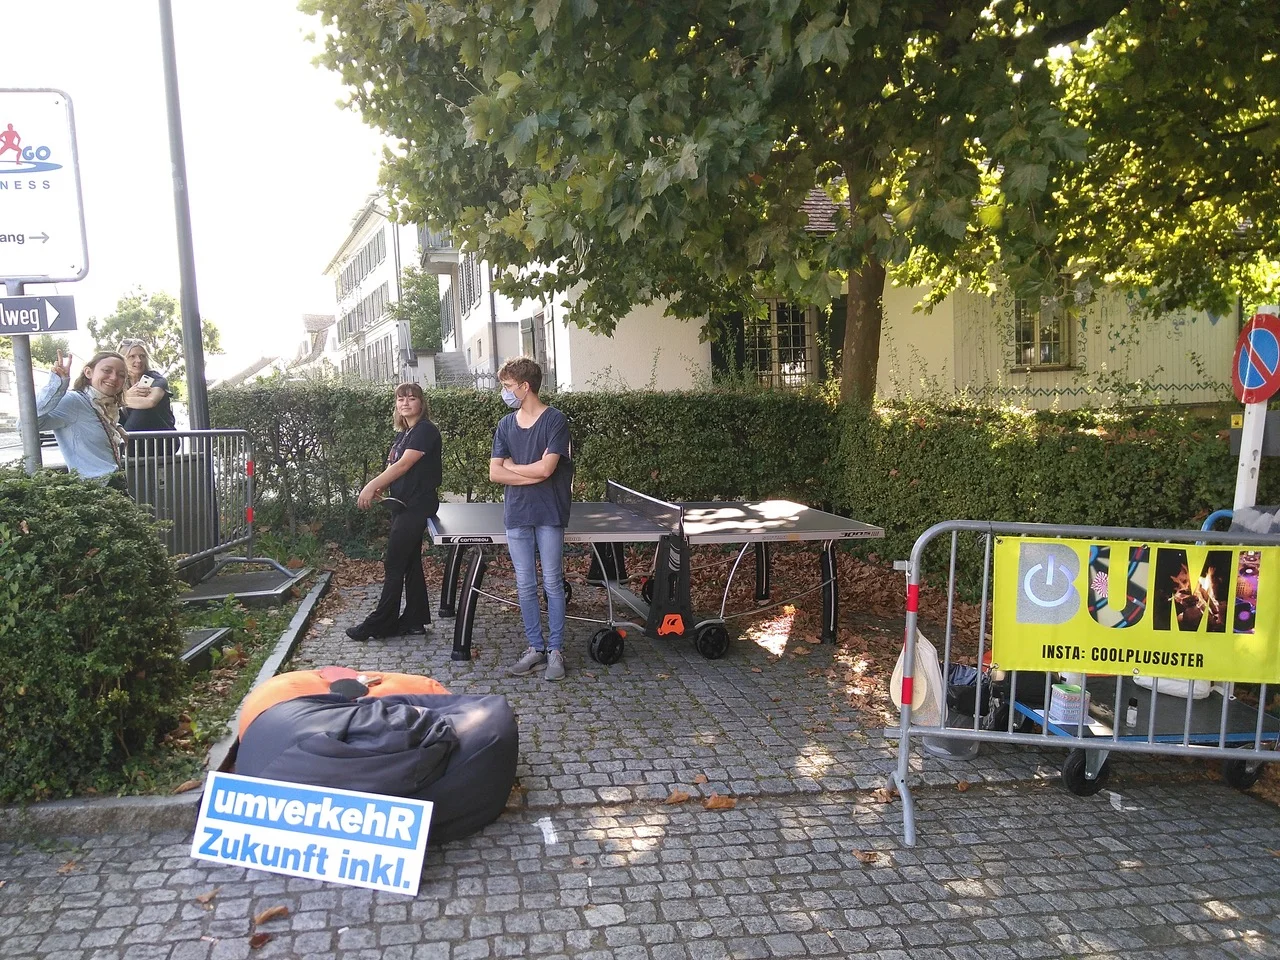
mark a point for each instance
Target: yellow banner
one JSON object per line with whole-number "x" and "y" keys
{"x": 1123, "y": 607}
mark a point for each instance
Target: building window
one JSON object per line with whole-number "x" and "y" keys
{"x": 1040, "y": 335}
{"x": 777, "y": 349}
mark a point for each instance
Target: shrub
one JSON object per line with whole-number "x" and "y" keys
{"x": 88, "y": 635}
{"x": 908, "y": 466}
{"x": 317, "y": 442}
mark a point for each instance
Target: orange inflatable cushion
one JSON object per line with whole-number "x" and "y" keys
{"x": 305, "y": 683}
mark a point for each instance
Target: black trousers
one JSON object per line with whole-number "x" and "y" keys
{"x": 402, "y": 576}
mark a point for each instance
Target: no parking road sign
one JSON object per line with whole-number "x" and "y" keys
{"x": 1255, "y": 369}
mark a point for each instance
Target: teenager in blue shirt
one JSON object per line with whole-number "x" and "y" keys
{"x": 531, "y": 456}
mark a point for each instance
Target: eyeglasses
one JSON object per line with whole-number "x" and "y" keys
{"x": 127, "y": 343}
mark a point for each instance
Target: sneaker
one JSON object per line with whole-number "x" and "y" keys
{"x": 555, "y": 666}
{"x": 405, "y": 629}
{"x": 360, "y": 632}
{"x": 533, "y": 659}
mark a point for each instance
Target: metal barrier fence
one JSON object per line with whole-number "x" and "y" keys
{"x": 199, "y": 485}
{"x": 1178, "y": 725}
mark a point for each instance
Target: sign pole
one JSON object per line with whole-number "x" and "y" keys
{"x": 26, "y": 385}
{"x": 192, "y": 329}
{"x": 1255, "y": 420}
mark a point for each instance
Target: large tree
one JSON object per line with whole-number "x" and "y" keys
{"x": 665, "y": 149}
{"x": 155, "y": 319}
{"x": 419, "y": 307}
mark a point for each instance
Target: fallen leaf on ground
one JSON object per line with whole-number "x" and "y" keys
{"x": 866, "y": 856}
{"x": 717, "y": 802}
{"x": 962, "y": 786}
{"x": 700, "y": 778}
{"x": 756, "y": 670}
{"x": 883, "y": 795}
{"x": 259, "y": 940}
{"x": 187, "y": 785}
{"x": 677, "y": 796}
{"x": 208, "y": 897}
{"x": 271, "y": 913}
{"x": 580, "y": 861}
{"x": 69, "y": 866}
{"x": 664, "y": 676}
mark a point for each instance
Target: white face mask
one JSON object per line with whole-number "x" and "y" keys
{"x": 510, "y": 399}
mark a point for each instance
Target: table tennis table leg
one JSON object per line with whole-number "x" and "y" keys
{"x": 470, "y": 595}
{"x": 764, "y": 571}
{"x": 449, "y": 581}
{"x": 829, "y": 570}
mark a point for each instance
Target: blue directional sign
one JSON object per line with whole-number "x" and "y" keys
{"x": 31, "y": 315}
{"x": 1255, "y": 372}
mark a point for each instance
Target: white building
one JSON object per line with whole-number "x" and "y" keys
{"x": 366, "y": 277}
{"x": 482, "y": 329}
{"x": 319, "y": 352}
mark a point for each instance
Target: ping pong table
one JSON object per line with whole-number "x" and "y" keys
{"x": 664, "y": 606}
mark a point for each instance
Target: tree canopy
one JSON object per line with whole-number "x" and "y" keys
{"x": 155, "y": 319}
{"x": 666, "y": 149}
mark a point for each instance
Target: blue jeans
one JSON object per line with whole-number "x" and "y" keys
{"x": 549, "y": 544}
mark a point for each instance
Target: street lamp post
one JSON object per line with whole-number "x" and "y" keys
{"x": 193, "y": 343}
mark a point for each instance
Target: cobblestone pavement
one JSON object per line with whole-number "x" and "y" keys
{"x": 807, "y": 864}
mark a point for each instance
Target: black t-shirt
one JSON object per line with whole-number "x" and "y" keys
{"x": 159, "y": 417}
{"x": 417, "y": 489}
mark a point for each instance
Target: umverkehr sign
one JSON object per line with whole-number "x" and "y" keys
{"x": 42, "y": 236}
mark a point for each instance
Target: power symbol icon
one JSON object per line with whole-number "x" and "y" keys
{"x": 1043, "y": 591}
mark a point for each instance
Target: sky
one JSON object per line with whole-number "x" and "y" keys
{"x": 276, "y": 170}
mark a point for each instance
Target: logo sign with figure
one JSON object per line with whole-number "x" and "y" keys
{"x": 42, "y": 236}
{"x": 1122, "y": 607}
{"x": 1255, "y": 369}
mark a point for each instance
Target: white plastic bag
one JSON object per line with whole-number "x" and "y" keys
{"x": 1177, "y": 688}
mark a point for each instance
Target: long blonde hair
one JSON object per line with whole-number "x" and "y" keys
{"x": 410, "y": 390}
{"x": 127, "y": 346}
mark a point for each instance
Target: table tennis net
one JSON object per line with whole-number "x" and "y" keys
{"x": 658, "y": 511}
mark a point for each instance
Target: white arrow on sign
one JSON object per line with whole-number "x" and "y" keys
{"x": 50, "y": 314}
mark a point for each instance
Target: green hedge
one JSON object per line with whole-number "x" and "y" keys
{"x": 909, "y": 466}
{"x": 316, "y": 442}
{"x": 903, "y": 467}
{"x": 88, "y": 636}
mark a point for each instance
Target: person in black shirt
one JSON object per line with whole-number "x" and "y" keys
{"x": 410, "y": 484}
{"x": 147, "y": 401}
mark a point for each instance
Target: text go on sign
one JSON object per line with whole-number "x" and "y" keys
{"x": 42, "y": 236}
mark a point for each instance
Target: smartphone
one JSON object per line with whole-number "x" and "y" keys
{"x": 146, "y": 381}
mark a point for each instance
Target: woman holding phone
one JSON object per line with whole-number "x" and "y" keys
{"x": 410, "y": 485}
{"x": 147, "y": 401}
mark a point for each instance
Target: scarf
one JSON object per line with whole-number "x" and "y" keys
{"x": 107, "y": 408}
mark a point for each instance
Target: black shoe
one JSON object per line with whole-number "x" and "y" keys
{"x": 360, "y": 633}
{"x": 410, "y": 629}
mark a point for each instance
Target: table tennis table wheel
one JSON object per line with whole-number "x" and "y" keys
{"x": 606, "y": 646}
{"x": 1073, "y": 774}
{"x": 1241, "y": 774}
{"x": 712, "y": 641}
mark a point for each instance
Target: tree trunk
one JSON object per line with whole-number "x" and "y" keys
{"x": 863, "y": 319}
